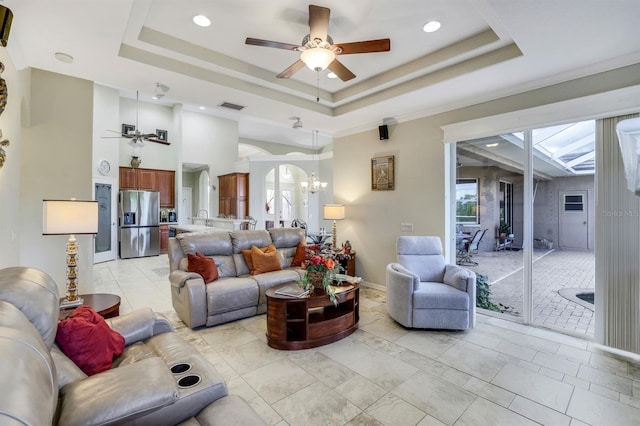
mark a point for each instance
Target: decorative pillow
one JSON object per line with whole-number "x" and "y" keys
{"x": 88, "y": 341}
{"x": 266, "y": 261}
{"x": 202, "y": 265}
{"x": 247, "y": 256}
{"x": 300, "y": 256}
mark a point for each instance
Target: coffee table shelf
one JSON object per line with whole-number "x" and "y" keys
{"x": 310, "y": 321}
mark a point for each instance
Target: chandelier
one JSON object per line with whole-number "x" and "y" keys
{"x": 313, "y": 184}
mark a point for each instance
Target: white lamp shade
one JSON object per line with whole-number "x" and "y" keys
{"x": 64, "y": 217}
{"x": 334, "y": 211}
{"x": 317, "y": 58}
{"x": 629, "y": 140}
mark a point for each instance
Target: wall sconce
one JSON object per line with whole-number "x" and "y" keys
{"x": 70, "y": 217}
{"x": 629, "y": 140}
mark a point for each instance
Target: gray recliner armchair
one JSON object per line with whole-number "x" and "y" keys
{"x": 425, "y": 292}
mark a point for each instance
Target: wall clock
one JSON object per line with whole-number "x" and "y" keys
{"x": 104, "y": 167}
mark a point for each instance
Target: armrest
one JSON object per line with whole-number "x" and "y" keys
{"x": 178, "y": 278}
{"x": 139, "y": 325}
{"x": 400, "y": 286}
{"x": 465, "y": 280}
{"x": 118, "y": 395}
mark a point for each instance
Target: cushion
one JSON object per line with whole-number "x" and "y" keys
{"x": 202, "y": 265}
{"x": 265, "y": 261}
{"x": 456, "y": 277}
{"x": 300, "y": 256}
{"x": 88, "y": 341}
{"x": 247, "y": 256}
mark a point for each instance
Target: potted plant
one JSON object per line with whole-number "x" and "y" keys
{"x": 504, "y": 229}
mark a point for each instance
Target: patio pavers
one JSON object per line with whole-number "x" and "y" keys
{"x": 553, "y": 270}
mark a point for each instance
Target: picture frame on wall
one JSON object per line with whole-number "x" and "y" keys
{"x": 382, "y": 173}
{"x": 161, "y": 134}
{"x": 128, "y": 128}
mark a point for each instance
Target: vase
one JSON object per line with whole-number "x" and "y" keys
{"x": 316, "y": 278}
{"x": 135, "y": 162}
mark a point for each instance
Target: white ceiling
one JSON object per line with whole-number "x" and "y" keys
{"x": 484, "y": 50}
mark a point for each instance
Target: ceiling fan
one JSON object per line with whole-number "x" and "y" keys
{"x": 136, "y": 137}
{"x": 318, "y": 50}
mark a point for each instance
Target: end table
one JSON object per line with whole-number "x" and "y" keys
{"x": 107, "y": 305}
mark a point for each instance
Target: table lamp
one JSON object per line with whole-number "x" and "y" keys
{"x": 70, "y": 217}
{"x": 334, "y": 212}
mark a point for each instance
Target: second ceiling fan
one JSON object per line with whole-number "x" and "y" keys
{"x": 318, "y": 50}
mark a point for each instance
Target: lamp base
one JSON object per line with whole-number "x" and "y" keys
{"x": 70, "y": 304}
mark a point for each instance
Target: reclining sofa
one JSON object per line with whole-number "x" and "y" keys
{"x": 159, "y": 379}
{"x": 236, "y": 293}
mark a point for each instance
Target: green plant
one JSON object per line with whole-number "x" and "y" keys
{"x": 483, "y": 294}
{"x": 504, "y": 228}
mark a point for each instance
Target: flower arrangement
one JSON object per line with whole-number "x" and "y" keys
{"x": 321, "y": 272}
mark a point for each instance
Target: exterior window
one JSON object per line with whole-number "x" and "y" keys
{"x": 467, "y": 201}
{"x": 573, "y": 203}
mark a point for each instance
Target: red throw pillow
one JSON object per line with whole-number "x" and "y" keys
{"x": 89, "y": 341}
{"x": 300, "y": 256}
{"x": 203, "y": 265}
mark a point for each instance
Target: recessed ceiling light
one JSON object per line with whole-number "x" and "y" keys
{"x": 201, "y": 21}
{"x": 63, "y": 57}
{"x": 332, "y": 75}
{"x": 491, "y": 145}
{"x": 431, "y": 26}
{"x": 202, "y": 108}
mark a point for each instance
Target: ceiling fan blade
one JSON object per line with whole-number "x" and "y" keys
{"x": 274, "y": 44}
{"x": 293, "y": 68}
{"x": 318, "y": 22}
{"x": 147, "y": 135}
{"x": 341, "y": 71}
{"x": 369, "y": 46}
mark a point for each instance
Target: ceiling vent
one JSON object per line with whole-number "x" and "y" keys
{"x": 231, "y": 106}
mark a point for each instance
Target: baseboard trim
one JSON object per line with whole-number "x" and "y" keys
{"x": 374, "y": 286}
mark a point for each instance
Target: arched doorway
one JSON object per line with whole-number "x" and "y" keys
{"x": 285, "y": 199}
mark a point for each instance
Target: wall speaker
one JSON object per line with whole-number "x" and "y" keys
{"x": 384, "y": 132}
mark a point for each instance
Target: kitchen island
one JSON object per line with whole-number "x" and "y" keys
{"x": 178, "y": 229}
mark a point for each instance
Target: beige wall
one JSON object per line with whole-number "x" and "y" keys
{"x": 373, "y": 217}
{"x": 56, "y": 153}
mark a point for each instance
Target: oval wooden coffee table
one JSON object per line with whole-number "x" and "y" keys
{"x": 310, "y": 321}
{"x": 107, "y": 305}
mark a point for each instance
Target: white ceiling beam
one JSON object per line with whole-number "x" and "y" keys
{"x": 579, "y": 160}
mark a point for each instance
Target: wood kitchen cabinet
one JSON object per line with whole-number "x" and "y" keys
{"x": 162, "y": 181}
{"x": 234, "y": 194}
{"x": 164, "y": 239}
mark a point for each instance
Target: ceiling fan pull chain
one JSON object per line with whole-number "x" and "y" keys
{"x": 317, "y": 86}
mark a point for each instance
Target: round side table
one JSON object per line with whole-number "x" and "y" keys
{"x": 107, "y": 305}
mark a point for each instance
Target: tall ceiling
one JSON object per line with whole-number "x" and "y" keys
{"x": 484, "y": 50}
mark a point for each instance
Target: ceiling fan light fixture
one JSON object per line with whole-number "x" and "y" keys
{"x": 431, "y": 26}
{"x": 317, "y": 58}
{"x": 201, "y": 21}
{"x": 159, "y": 91}
{"x": 332, "y": 75}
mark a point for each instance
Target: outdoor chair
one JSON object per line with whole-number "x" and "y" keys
{"x": 466, "y": 246}
{"x": 425, "y": 292}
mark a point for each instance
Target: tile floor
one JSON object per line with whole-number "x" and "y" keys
{"x": 500, "y": 373}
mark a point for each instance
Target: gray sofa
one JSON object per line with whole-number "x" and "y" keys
{"x": 41, "y": 386}
{"x": 425, "y": 292}
{"x": 235, "y": 294}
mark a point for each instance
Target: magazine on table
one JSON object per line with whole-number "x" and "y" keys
{"x": 293, "y": 290}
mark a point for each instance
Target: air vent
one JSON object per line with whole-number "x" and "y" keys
{"x": 231, "y": 106}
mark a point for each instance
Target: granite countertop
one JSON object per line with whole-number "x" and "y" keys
{"x": 196, "y": 228}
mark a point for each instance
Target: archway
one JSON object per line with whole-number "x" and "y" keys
{"x": 285, "y": 199}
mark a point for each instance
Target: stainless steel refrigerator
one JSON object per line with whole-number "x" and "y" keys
{"x": 139, "y": 221}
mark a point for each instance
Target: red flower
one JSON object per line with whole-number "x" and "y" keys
{"x": 315, "y": 260}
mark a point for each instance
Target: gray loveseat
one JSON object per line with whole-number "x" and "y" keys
{"x": 235, "y": 294}
{"x": 41, "y": 386}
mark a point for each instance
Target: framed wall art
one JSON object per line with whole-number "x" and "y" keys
{"x": 382, "y": 173}
{"x": 162, "y": 135}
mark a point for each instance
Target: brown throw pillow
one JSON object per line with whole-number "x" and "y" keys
{"x": 300, "y": 256}
{"x": 247, "y": 256}
{"x": 265, "y": 261}
{"x": 202, "y": 265}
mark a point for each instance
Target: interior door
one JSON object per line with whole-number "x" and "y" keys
{"x": 574, "y": 224}
{"x": 105, "y": 241}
